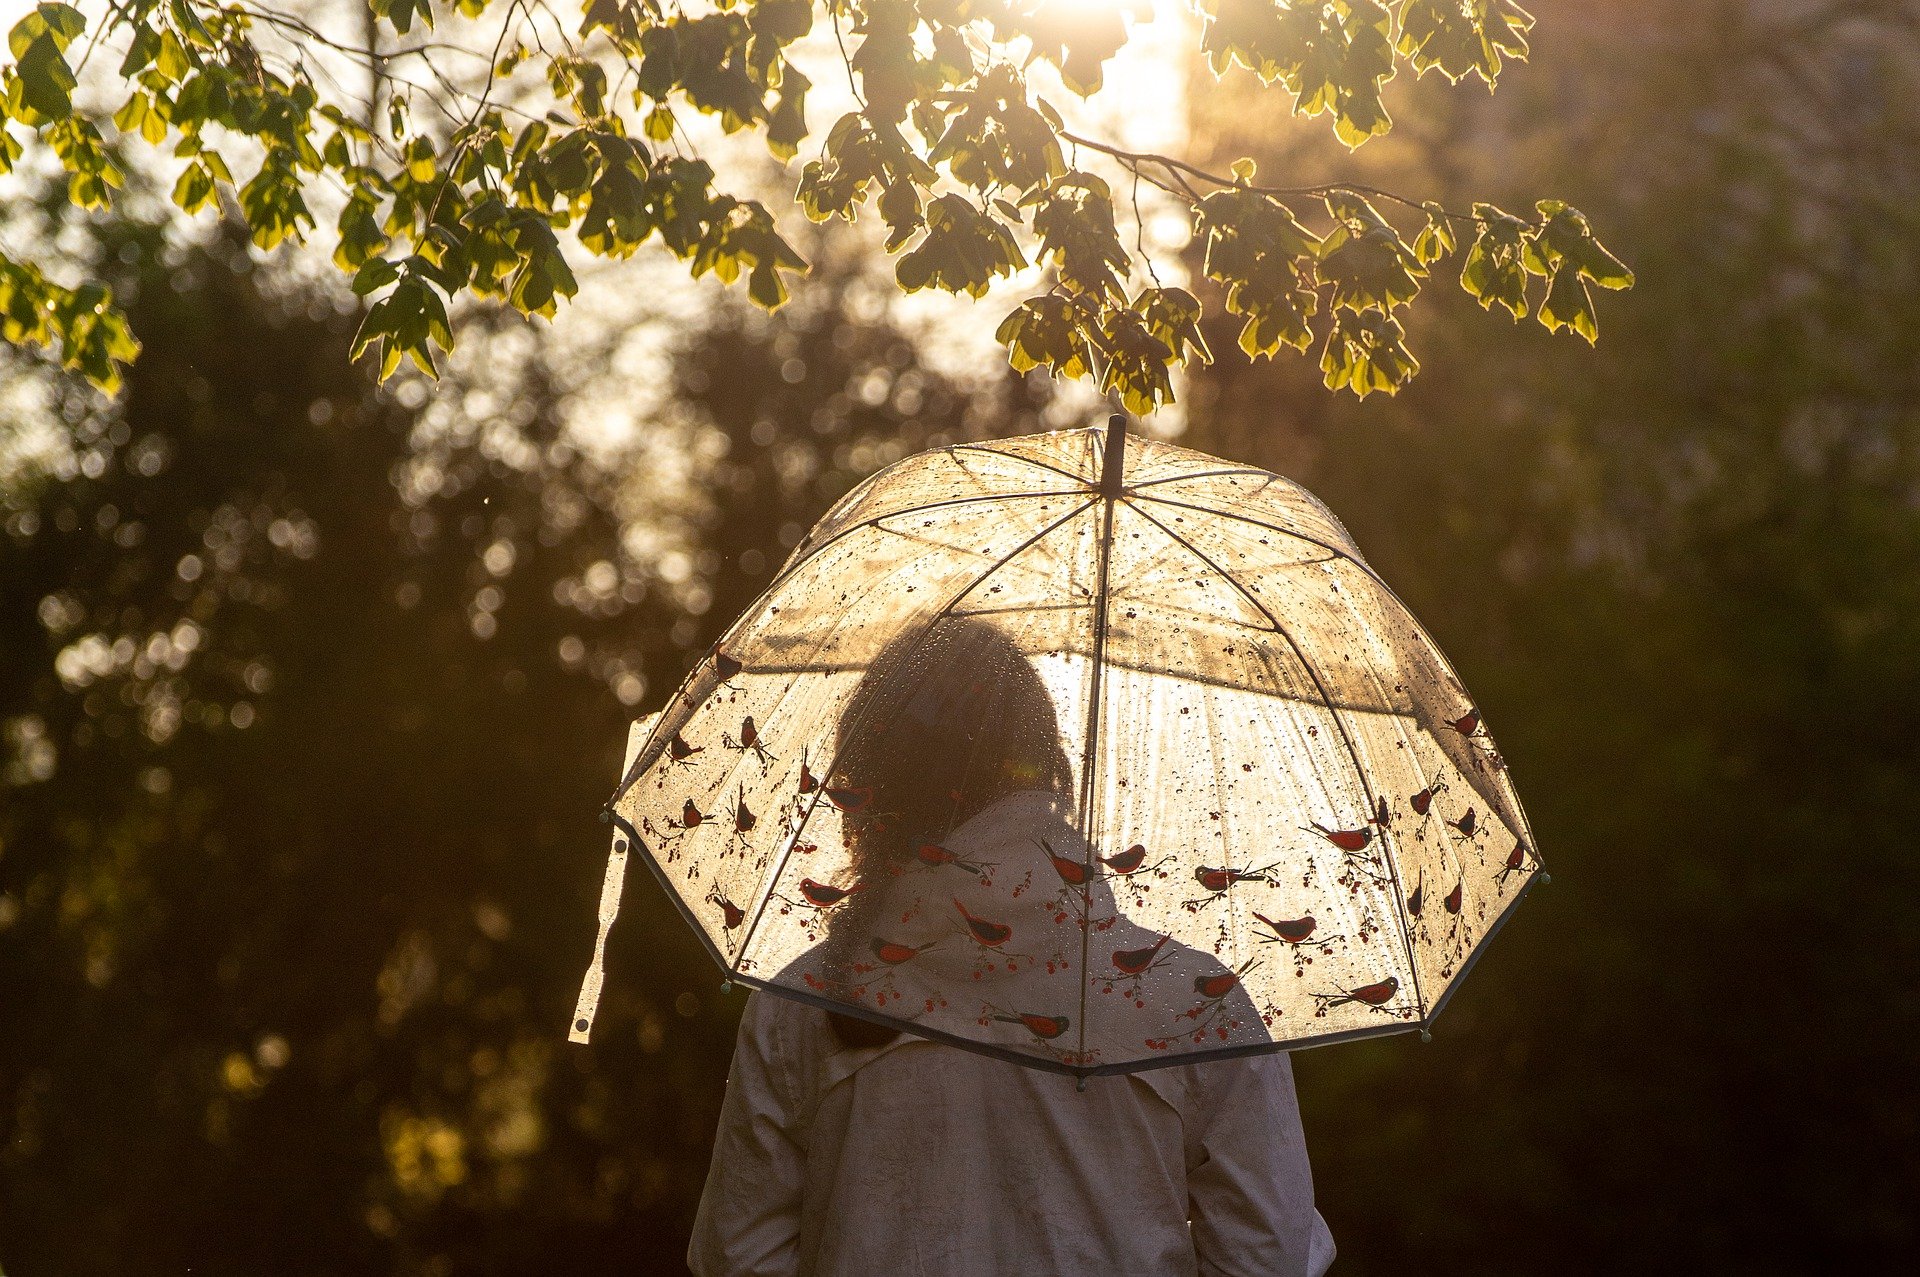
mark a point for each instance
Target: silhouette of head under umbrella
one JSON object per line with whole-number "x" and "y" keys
{"x": 979, "y": 889}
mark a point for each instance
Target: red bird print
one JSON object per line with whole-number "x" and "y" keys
{"x": 730, "y": 911}
{"x": 725, "y": 666}
{"x": 991, "y": 934}
{"x": 1467, "y": 823}
{"x": 932, "y": 853}
{"x": 1215, "y": 986}
{"x": 750, "y": 741}
{"x": 678, "y": 749}
{"x": 1292, "y": 930}
{"x": 1417, "y": 900}
{"x": 1214, "y": 879}
{"x": 1134, "y": 961}
{"x": 1127, "y": 861}
{"x": 743, "y": 818}
{"x": 1382, "y": 814}
{"x": 848, "y": 799}
{"x": 690, "y": 815}
{"x": 1516, "y": 862}
{"x": 1344, "y": 839}
{"x": 1220, "y": 879}
{"x": 894, "y": 954}
{"x": 1071, "y": 872}
{"x": 808, "y": 781}
{"x": 1424, "y": 799}
{"x": 1376, "y": 994}
{"x": 1373, "y": 995}
{"x": 1041, "y": 1026}
{"x": 824, "y": 896}
{"x": 1452, "y": 902}
{"x": 1467, "y": 724}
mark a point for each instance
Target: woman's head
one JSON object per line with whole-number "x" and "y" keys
{"x": 944, "y": 722}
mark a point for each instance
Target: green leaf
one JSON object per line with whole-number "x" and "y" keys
{"x": 59, "y": 24}
{"x": 400, "y": 14}
{"x": 173, "y": 59}
{"x": 273, "y": 204}
{"x": 1463, "y": 39}
{"x": 1435, "y": 239}
{"x": 375, "y": 274}
{"x": 1365, "y": 259}
{"x": 1566, "y": 235}
{"x": 963, "y": 251}
{"x": 130, "y": 116}
{"x": 1137, "y": 361}
{"x": 1495, "y": 269}
{"x": 1366, "y": 351}
{"x": 787, "y": 123}
{"x": 1049, "y": 331}
{"x": 1172, "y": 315}
{"x": 1569, "y": 304}
{"x": 1073, "y": 216}
{"x": 42, "y": 89}
{"x": 141, "y": 51}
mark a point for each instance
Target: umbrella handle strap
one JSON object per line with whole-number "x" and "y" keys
{"x": 581, "y": 1027}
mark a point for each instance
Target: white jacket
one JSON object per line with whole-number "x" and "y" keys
{"x": 916, "y": 1158}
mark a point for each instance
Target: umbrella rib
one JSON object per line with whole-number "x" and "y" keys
{"x": 1014, "y": 456}
{"x": 878, "y": 519}
{"x": 1276, "y": 529}
{"x": 945, "y": 610}
{"x": 1346, "y": 738}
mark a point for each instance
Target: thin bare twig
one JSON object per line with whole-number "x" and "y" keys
{"x": 1176, "y": 168}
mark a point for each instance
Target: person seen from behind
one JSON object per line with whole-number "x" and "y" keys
{"x": 847, "y": 1147}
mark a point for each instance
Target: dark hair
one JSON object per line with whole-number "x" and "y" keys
{"x": 945, "y": 721}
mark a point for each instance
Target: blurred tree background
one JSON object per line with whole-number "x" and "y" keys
{"x": 309, "y": 692}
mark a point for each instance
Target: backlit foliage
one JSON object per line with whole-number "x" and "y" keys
{"x": 950, "y": 145}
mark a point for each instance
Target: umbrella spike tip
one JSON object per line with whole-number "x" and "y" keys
{"x": 1546, "y": 880}
{"x": 1426, "y": 1035}
{"x": 1080, "y": 1083}
{"x": 726, "y": 987}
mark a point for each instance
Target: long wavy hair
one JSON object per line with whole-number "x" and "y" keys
{"x": 945, "y": 722}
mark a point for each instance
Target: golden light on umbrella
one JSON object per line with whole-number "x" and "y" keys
{"x": 1085, "y": 750}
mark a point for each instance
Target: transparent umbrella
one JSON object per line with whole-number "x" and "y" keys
{"x": 1087, "y": 751}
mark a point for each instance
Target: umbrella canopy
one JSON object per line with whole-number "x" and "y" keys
{"x": 1088, "y": 751}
